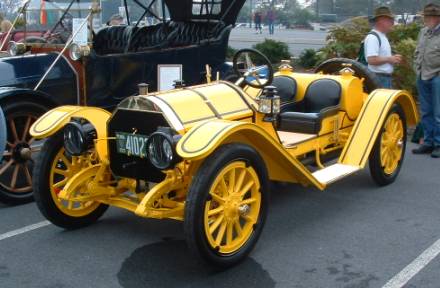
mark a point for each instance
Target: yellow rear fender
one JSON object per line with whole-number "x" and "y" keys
{"x": 370, "y": 121}
{"x": 54, "y": 120}
{"x": 203, "y": 139}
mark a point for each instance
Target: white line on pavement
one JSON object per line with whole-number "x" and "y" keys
{"x": 23, "y": 230}
{"x": 414, "y": 267}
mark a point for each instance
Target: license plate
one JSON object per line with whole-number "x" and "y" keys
{"x": 131, "y": 144}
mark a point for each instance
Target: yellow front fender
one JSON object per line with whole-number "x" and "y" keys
{"x": 54, "y": 120}
{"x": 204, "y": 138}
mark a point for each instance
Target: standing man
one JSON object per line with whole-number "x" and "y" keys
{"x": 270, "y": 17}
{"x": 427, "y": 65}
{"x": 378, "y": 49}
{"x": 257, "y": 20}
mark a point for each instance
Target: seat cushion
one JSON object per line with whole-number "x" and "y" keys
{"x": 308, "y": 123}
{"x": 287, "y": 88}
{"x": 320, "y": 101}
{"x": 320, "y": 94}
{"x": 150, "y": 37}
{"x": 113, "y": 39}
{"x": 195, "y": 33}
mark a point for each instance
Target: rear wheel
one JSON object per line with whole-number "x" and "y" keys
{"x": 226, "y": 205}
{"x": 17, "y": 163}
{"x": 388, "y": 152}
{"x": 53, "y": 168}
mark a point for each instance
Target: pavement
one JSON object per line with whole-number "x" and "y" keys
{"x": 353, "y": 235}
{"x": 297, "y": 40}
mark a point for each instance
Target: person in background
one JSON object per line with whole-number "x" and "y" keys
{"x": 378, "y": 49}
{"x": 257, "y": 20}
{"x": 427, "y": 66}
{"x": 270, "y": 17}
{"x": 115, "y": 20}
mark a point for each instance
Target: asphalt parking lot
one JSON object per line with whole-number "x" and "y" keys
{"x": 352, "y": 235}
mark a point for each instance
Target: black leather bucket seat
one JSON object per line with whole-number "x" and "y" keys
{"x": 322, "y": 99}
{"x": 286, "y": 89}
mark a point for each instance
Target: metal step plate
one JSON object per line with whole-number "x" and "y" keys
{"x": 335, "y": 172}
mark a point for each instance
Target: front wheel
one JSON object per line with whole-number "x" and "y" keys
{"x": 53, "y": 168}
{"x": 226, "y": 206}
{"x": 387, "y": 156}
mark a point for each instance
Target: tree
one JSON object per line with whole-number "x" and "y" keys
{"x": 9, "y": 7}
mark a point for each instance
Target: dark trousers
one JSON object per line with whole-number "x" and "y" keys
{"x": 271, "y": 28}
{"x": 429, "y": 96}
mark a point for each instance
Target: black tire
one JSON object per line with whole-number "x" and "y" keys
{"x": 18, "y": 111}
{"x": 199, "y": 193}
{"x": 333, "y": 66}
{"x": 376, "y": 170}
{"x": 42, "y": 193}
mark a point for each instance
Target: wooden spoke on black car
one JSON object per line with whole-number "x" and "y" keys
{"x": 15, "y": 170}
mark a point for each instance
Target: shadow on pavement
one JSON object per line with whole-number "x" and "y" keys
{"x": 170, "y": 264}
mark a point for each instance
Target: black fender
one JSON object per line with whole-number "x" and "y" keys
{"x": 16, "y": 94}
{"x": 26, "y": 71}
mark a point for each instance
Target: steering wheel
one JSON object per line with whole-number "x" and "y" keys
{"x": 253, "y": 67}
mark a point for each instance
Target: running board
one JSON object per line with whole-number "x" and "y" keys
{"x": 335, "y": 172}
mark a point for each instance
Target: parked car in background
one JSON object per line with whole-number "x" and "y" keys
{"x": 2, "y": 134}
{"x": 105, "y": 70}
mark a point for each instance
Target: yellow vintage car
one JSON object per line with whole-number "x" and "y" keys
{"x": 205, "y": 154}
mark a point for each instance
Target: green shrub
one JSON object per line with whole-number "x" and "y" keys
{"x": 344, "y": 40}
{"x": 309, "y": 58}
{"x": 230, "y": 52}
{"x": 404, "y": 75}
{"x": 274, "y": 50}
{"x": 401, "y": 32}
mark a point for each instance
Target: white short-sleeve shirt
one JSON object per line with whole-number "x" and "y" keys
{"x": 372, "y": 48}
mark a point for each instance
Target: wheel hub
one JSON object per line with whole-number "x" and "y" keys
{"x": 231, "y": 209}
{"x": 21, "y": 152}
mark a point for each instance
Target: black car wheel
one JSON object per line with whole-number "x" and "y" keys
{"x": 226, "y": 206}
{"x": 17, "y": 164}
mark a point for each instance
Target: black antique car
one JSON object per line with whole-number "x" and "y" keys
{"x": 190, "y": 33}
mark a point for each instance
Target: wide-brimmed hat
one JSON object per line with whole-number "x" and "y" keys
{"x": 382, "y": 12}
{"x": 431, "y": 10}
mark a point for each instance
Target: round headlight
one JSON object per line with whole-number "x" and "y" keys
{"x": 78, "y": 137}
{"x": 15, "y": 48}
{"x": 75, "y": 52}
{"x": 161, "y": 151}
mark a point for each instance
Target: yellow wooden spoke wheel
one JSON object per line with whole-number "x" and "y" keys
{"x": 56, "y": 167}
{"x": 234, "y": 207}
{"x": 64, "y": 168}
{"x": 391, "y": 143}
{"x": 226, "y": 205}
{"x": 388, "y": 152}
